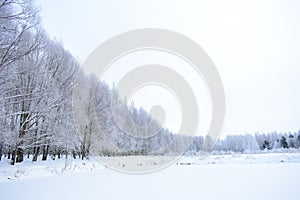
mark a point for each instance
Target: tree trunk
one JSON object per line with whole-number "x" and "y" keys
{"x": 19, "y": 155}
{"x": 82, "y": 155}
{"x": 58, "y": 154}
{"x": 13, "y": 157}
{"x": 22, "y": 132}
{"x": 74, "y": 154}
{"x": 8, "y": 154}
{"x": 45, "y": 152}
{"x": 0, "y": 151}
{"x": 36, "y": 153}
{"x": 83, "y": 150}
{"x": 67, "y": 153}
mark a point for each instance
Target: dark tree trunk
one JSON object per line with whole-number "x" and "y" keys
{"x": 36, "y": 153}
{"x": 20, "y": 157}
{"x": 74, "y": 154}
{"x": 8, "y": 154}
{"x": 23, "y": 129}
{"x": 58, "y": 154}
{"x": 83, "y": 151}
{"x": 45, "y": 152}
{"x": 13, "y": 157}
{"x": 36, "y": 149}
{"x": 0, "y": 151}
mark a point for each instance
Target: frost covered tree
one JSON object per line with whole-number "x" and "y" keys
{"x": 18, "y": 19}
{"x": 36, "y": 79}
{"x": 87, "y": 120}
{"x": 283, "y": 142}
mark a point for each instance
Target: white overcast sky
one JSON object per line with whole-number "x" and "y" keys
{"x": 254, "y": 44}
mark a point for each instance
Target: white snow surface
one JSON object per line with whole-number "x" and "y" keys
{"x": 239, "y": 176}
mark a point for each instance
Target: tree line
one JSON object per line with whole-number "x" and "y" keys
{"x": 50, "y": 107}
{"x": 249, "y": 143}
{"x": 38, "y": 114}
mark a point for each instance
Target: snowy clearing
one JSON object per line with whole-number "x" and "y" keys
{"x": 261, "y": 176}
{"x": 31, "y": 170}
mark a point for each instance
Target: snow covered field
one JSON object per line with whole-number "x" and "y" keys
{"x": 242, "y": 177}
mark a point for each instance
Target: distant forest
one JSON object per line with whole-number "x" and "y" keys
{"x": 39, "y": 80}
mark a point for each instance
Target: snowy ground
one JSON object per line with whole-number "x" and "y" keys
{"x": 262, "y": 176}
